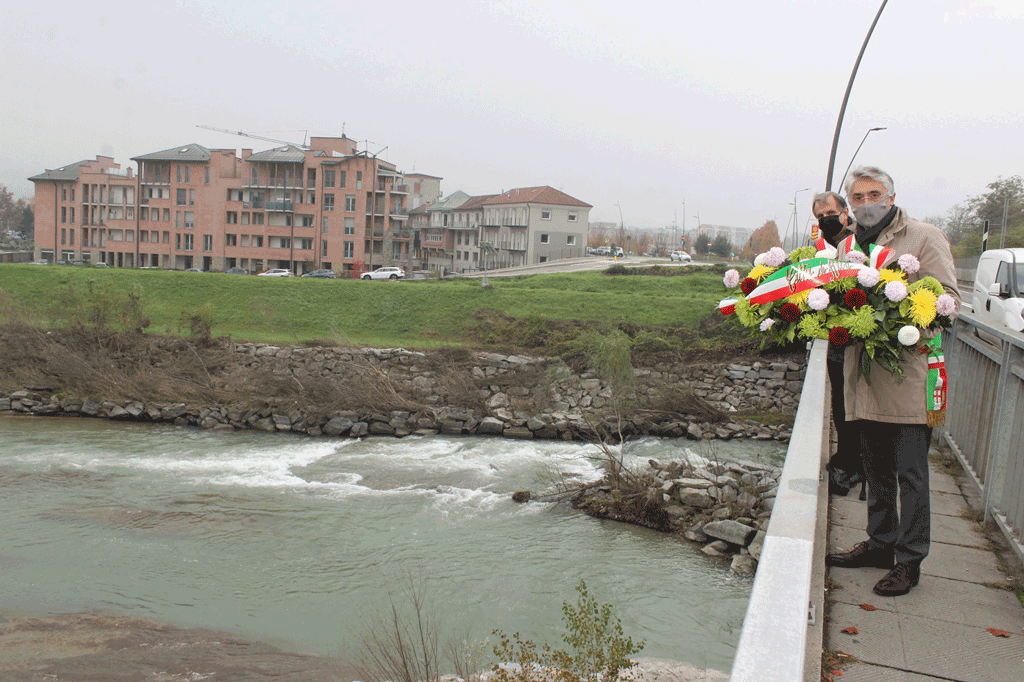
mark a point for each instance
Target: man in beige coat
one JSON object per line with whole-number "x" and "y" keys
{"x": 892, "y": 413}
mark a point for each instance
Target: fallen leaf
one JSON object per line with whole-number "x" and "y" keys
{"x": 999, "y": 633}
{"x": 868, "y": 607}
{"x": 853, "y": 631}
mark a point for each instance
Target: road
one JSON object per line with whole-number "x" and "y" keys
{"x": 579, "y": 265}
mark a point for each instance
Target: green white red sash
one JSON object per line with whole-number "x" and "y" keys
{"x": 936, "y": 382}
{"x": 878, "y": 257}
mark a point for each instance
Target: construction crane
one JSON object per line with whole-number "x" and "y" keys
{"x": 255, "y": 137}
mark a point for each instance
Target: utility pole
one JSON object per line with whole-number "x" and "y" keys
{"x": 1002, "y": 232}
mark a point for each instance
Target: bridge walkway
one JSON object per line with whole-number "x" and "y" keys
{"x": 940, "y": 631}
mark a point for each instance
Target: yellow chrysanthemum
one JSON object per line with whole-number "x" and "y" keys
{"x": 800, "y": 299}
{"x": 922, "y": 308}
{"x": 887, "y": 275}
{"x": 759, "y": 272}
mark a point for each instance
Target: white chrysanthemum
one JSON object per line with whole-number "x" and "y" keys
{"x": 817, "y": 299}
{"x": 731, "y": 279}
{"x": 868, "y": 277}
{"x": 909, "y": 264}
{"x": 857, "y": 257}
{"x": 759, "y": 259}
{"x": 767, "y": 324}
{"x": 909, "y": 335}
{"x": 775, "y": 257}
{"x": 896, "y": 291}
{"x": 945, "y": 305}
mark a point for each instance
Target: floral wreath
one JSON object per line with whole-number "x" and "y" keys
{"x": 808, "y": 294}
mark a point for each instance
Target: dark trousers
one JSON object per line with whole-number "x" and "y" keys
{"x": 845, "y": 469}
{"x": 896, "y": 465}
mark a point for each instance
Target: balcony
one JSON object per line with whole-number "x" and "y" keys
{"x": 288, "y": 183}
{"x": 280, "y": 206}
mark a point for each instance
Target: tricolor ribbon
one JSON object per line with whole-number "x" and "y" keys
{"x": 727, "y": 306}
{"x": 878, "y": 256}
{"x": 807, "y": 274}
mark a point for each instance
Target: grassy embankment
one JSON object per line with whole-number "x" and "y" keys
{"x": 661, "y": 308}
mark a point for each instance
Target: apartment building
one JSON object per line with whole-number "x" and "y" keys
{"x": 300, "y": 207}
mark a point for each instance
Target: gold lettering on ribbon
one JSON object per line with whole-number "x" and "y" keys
{"x": 798, "y": 273}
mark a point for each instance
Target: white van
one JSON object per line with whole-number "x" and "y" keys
{"x": 998, "y": 297}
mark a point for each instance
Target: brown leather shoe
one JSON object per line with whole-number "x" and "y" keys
{"x": 861, "y": 556}
{"x": 898, "y": 581}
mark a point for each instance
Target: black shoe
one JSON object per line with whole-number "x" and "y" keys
{"x": 861, "y": 556}
{"x": 863, "y": 492}
{"x": 836, "y": 489}
{"x": 898, "y": 581}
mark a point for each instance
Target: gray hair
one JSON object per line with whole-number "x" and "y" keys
{"x": 823, "y": 197}
{"x": 870, "y": 173}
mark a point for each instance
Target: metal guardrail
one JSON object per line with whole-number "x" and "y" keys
{"x": 986, "y": 410}
{"x": 782, "y": 629}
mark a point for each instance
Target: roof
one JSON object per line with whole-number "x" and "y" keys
{"x": 423, "y": 175}
{"x": 536, "y": 195}
{"x": 450, "y": 202}
{"x": 68, "y": 172}
{"x": 185, "y": 152}
{"x": 476, "y": 202}
{"x": 286, "y": 154}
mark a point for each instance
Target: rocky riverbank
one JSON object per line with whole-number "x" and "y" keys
{"x": 395, "y": 392}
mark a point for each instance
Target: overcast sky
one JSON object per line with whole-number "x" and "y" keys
{"x": 726, "y": 105}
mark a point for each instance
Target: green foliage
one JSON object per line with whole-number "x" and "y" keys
{"x": 597, "y": 649}
{"x": 721, "y": 246}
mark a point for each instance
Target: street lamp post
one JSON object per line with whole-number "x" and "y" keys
{"x": 847, "y": 172}
{"x": 795, "y": 222}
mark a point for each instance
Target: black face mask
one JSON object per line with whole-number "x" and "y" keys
{"x": 830, "y": 226}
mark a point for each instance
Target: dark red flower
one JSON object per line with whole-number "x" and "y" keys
{"x": 855, "y": 298}
{"x": 748, "y": 285}
{"x": 790, "y": 312}
{"x": 839, "y": 336}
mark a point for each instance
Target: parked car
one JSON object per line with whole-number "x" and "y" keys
{"x": 385, "y": 273}
{"x": 276, "y": 272}
{"x": 680, "y": 256}
{"x": 998, "y": 297}
{"x": 325, "y": 274}
{"x": 236, "y": 271}
{"x": 193, "y": 270}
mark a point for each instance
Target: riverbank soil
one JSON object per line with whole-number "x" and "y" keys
{"x": 81, "y": 646}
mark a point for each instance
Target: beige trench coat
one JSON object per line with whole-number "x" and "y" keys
{"x": 889, "y": 398}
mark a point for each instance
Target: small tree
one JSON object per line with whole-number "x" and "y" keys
{"x": 598, "y": 650}
{"x": 721, "y": 246}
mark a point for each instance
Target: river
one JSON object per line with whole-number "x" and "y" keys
{"x": 298, "y": 541}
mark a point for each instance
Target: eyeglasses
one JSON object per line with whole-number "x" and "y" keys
{"x": 873, "y": 197}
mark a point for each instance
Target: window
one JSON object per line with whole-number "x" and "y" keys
{"x": 311, "y": 177}
{"x": 179, "y": 173}
{"x": 63, "y": 193}
{"x": 63, "y": 214}
{"x": 544, "y": 239}
{"x": 144, "y": 213}
{"x": 257, "y": 240}
{"x": 245, "y": 217}
{"x": 350, "y": 203}
{"x": 328, "y": 202}
{"x": 207, "y": 242}
{"x": 63, "y": 236}
{"x": 396, "y": 251}
{"x": 180, "y": 197}
{"x": 177, "y": 241}
{"x": 188, "y": 242}
{"x": 545, "y": 215}
{"x": 570, "y": 240}
{"x": 231, "y": 240}
{"x": 323, "y": 249}
{"x": 232, "y": 217}
{"x": 350, "y": 226}
{"x": 341, "y": 183}
{"x": 72, "y": 196}
{"x": 188, "y": 174}
{"x": 207, "y": 180}
{"x": 167, "y": 237}
{"x": 323, "y": 226}
{"x": 177, "y": 220}
{"x": 311, "y": 199}
{"x": 190, "y": 220}
{"x": 359, "y": 179}
{"x": 328, "y": 178}
{"x": 349, "y": 250}
{"x": 257, "y": 218}
{"x": 307, "y": 221}
{"x": 572, "y": 217}
{"x": 306, "y": 244}
{"x": 280, "y": 243}
{"x": 71, "y": 213}
{"x": 191, "y": 194}
{"x": 167, "y": 215}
